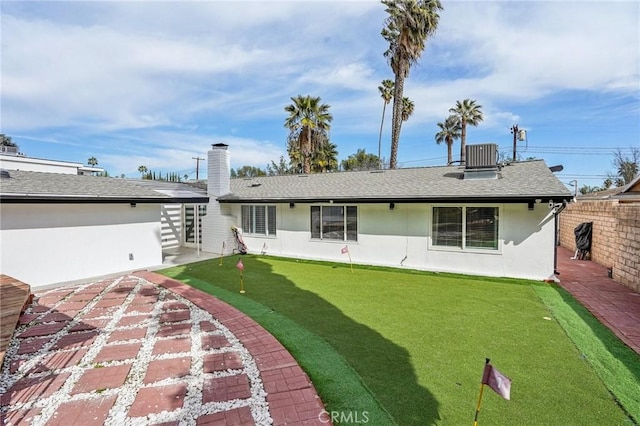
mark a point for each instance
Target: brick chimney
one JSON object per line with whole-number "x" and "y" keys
{"x": 219, "y": 220}
{"x": 219, "y": 170}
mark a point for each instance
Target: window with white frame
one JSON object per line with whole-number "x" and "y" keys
{"x": 465, "y": 227}
{"x": 259, "y": 220}
{"x": 334, "y": 223}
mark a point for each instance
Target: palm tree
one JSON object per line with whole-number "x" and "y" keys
{"x": 407, "y": 28}
{"x": 449, "y": 132}
{"x": 407, "y": 108}
{"x": 142, "y": 170}
{"x": 92, "y": 161}
{"x": 325, "y": 159}
{"x": 468, "y": 113}
{"x": 308, "y": 125}
{"x": 386, "y": 92}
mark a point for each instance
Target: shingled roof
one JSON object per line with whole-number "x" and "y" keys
{"x": 516, "y": 182}
{"x": 17, "y": 186}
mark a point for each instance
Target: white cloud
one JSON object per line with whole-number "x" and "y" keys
{"x": 175, "y": 152}
{"x": 354, "y": 76}
{"x": 536, "y": 47}
{"x": 143, "y": 75}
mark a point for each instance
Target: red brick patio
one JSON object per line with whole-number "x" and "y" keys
{"x": 615, "y": 305}
{"x": 124, "y": 348}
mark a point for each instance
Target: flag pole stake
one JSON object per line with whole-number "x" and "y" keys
{"x": 475, "y": 419}
{"x": 221, "y": 254}
{"x": 241, "y": 284}
{"x": 350, "y": 264}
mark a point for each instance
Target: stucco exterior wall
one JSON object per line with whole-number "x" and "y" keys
{"x": 44, "y": 244}
{"x": 615, "y": 238}
{"x": 402, "y": 238}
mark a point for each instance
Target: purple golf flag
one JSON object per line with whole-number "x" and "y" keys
{"x": 497, "y": 381}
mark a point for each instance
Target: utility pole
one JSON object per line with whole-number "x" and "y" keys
{"x": 198, "y": 160}
{"x": 574, "y": 183}
{"x": 514, "y": 131}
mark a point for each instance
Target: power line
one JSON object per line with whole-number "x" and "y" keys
{"x": 594, "y": 148}
{"x": 577, "y": 150}
{"x": 579, "y": 175}
{"x": 557, "y": 150}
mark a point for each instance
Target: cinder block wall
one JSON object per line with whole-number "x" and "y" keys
{"x": 604, "y": 247}
{"x": 615, "y": 239}
{"x": 627, "y": 266}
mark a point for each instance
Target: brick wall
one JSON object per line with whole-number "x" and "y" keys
{"x": 627, "y": 266}
{"x": 615, "y": 239}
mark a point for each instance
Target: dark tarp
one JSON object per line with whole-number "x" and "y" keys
{"x": 583, "y": 239}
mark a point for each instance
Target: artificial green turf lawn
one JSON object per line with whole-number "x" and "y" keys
{"x": 616, "y": 364}
{"x": 418, "y": 341}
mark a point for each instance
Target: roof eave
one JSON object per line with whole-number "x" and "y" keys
{"x": 557, "y": 198}
{"x": 30, "y": 199}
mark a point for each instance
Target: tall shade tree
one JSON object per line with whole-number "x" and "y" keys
{"x": 309, "y": 124}
{"x": 409, "y": 24}
{"x": 449, "y": 132}
{"x": 469, "y": 113}
{"x": 386, "y": 93}
{"x": 626, "y": 166}
{"x": 279, "y": 168}
{"x": 248, "y": 171}
{"x": 6, "y": 140}
{"x": 360, "y": 161}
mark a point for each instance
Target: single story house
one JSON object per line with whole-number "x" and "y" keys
{"x": 485, "y": 219}
{"x": 58, "y": 227}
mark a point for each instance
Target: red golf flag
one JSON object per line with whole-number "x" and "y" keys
{"x": 497, "y": 381}
{"x": 344, "y": 250}
{"x": 240, "y": 265}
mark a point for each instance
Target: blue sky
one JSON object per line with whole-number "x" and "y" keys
{"x": 156, "y": 83}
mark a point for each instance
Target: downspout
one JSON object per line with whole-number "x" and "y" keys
{"x": 557, "y": 209}
{"x": 197, "y": 219}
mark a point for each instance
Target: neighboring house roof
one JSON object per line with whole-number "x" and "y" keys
{"x": 22, "y": 162}
{"x": 517, "y": 182}
{"x": 174, "y": 189}
{"x": 18, "y": 186}
{"x": 629, "y": 193}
